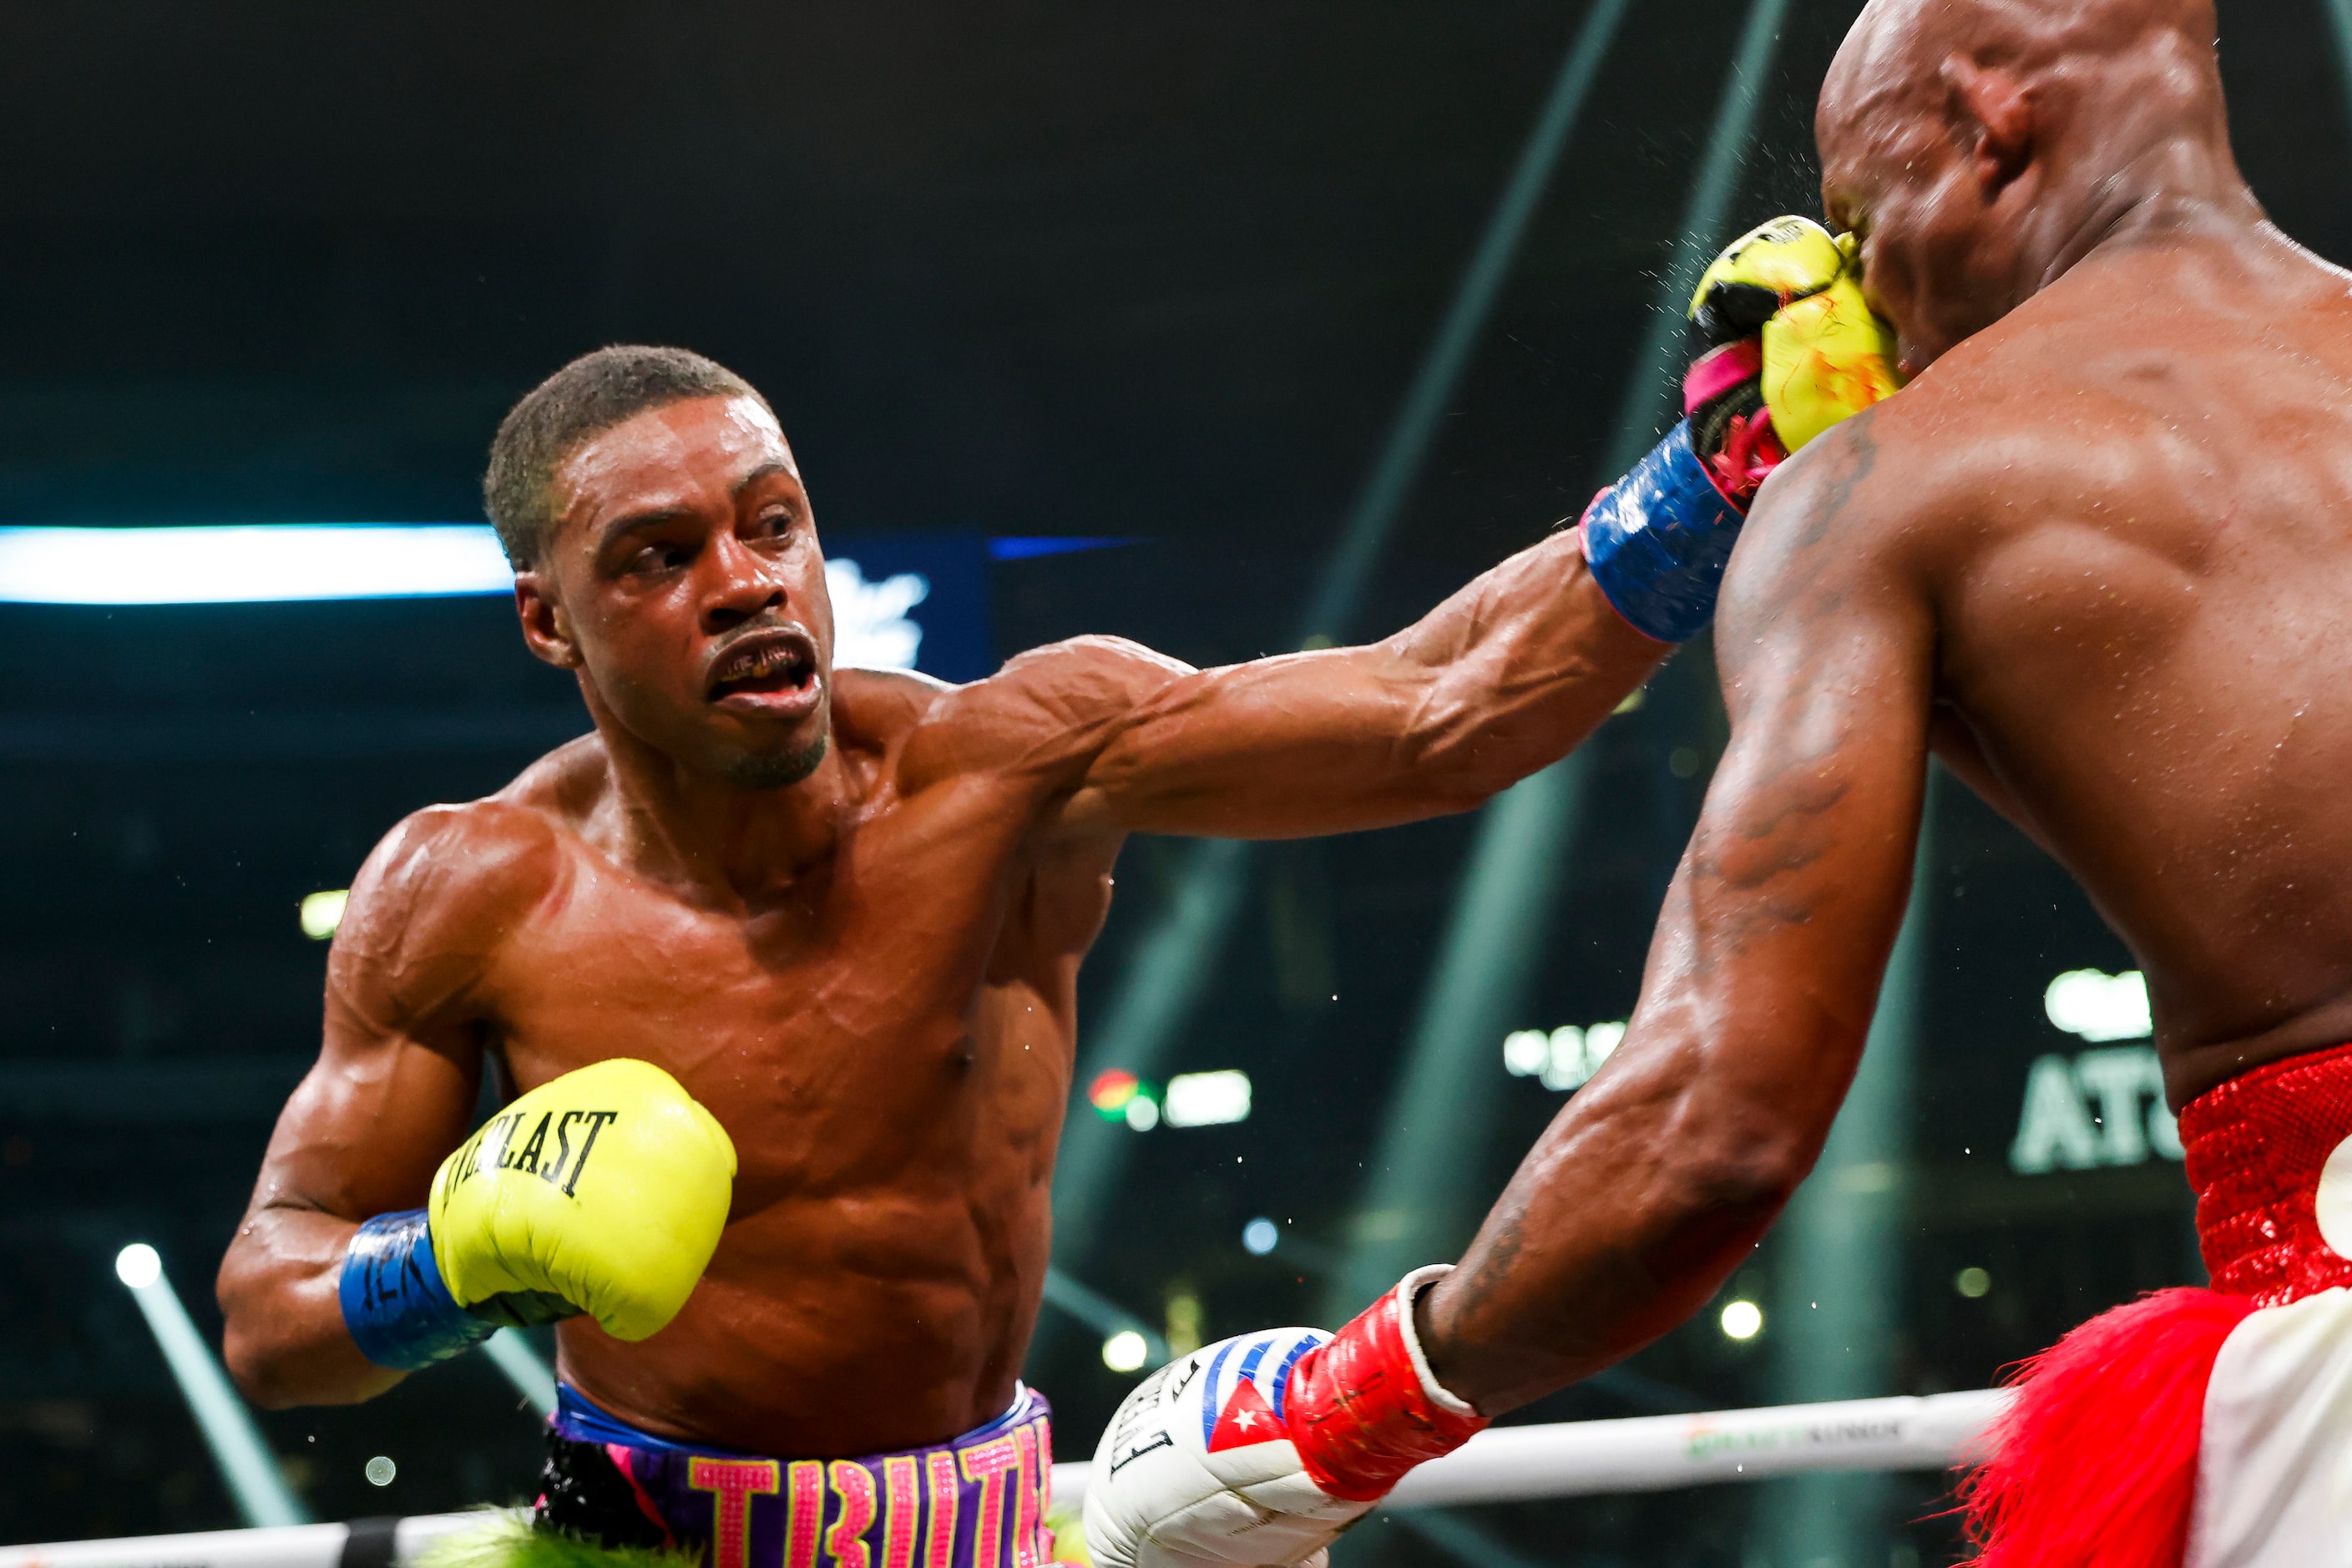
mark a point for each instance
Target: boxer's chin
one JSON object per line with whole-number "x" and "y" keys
{"x": 780, "y": 769}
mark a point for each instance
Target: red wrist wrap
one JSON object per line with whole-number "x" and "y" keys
{"x": 1357, "y": 1411}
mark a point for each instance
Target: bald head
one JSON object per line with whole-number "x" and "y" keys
{"x": 1905, "y": 42}
{"x": 1982, "y": 147}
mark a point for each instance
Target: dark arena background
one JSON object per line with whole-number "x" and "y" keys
{"x": 1223, "y": 327}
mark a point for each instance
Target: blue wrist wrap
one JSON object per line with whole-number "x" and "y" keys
{"x": 398, "y": 1311}
{"x": 1657, "y": 541}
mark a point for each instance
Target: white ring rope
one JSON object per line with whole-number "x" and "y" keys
{"x": 1506, "y": 1464}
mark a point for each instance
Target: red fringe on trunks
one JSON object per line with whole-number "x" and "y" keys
{"x": 2094, "y": 1463}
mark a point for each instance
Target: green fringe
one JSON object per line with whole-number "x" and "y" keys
{"x": 1069, "y": 1528}
{"x": 506, "y": 1539}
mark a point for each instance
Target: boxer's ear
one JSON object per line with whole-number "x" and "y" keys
{"x": 1993, "y": 106}
{"x": 546, "y": 628}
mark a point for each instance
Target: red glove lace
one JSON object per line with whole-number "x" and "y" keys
{"x": 1752, "y": 450}
{"x": 1357, "y": 1413}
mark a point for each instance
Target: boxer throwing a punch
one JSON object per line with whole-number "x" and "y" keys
{"x": 2098, "y": 557}
{"x": 784, "y": 960}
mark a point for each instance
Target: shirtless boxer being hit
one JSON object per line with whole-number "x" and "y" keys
{"x": 2098, "y": 558}
{"x": 782, "y": 958}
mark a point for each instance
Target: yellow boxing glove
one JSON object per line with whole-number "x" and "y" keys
{"x": 1795, "y": 351}
{"x": 607, "y": 1188}
{"x": 1798, "y": 288}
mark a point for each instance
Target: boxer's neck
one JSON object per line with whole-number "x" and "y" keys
{"x": 2177, "y": 188}
{"x": 693, "y": 829}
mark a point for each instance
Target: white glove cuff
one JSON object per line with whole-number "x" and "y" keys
{"x": 1407, "y": 1292}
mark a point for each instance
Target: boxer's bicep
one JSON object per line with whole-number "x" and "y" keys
{"x": 390, "y": 1094}
{"x": 1276, "y": 748}
{"x": 400, "y": 1051}
{"x": 1501, "y": 680}
{"x": 1794, "y": 883}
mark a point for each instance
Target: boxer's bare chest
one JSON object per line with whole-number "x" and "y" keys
{"x": 895, "y": 1009}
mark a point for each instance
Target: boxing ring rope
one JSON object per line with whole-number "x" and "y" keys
{"x": 1505, "y": 1464}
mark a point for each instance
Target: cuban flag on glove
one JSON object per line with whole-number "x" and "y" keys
{"x": 1255, "y": 1452}
{"x": 1198, "y": 1468}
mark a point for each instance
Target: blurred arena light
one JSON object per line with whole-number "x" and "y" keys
{"x": 2100, "y": 1006}
{"x": 254, "y": 563}
{"x": 1207, "y": 1099}
{"x": 1260, "y": 1236}
{"x": 1103, "y": 1315}
{"x": 321, "y": 913}
{"x": 1125, "y": 1352}
{"x": 1112, "y": 1091}
{"x": 1565, "y": 1059}
{"x": 249, "y": 563}
{"x": 261, "y": 1494}
{"x": 520, "y": 1364}
{"x": 1742, "y": 1321}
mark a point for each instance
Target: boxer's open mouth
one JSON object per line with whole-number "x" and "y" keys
{"x": 768, "y": 672}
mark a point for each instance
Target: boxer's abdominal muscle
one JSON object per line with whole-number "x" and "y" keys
{"x": 891, "y": 1052}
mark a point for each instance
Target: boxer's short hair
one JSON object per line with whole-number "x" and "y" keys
{"x": 585, "y": 398}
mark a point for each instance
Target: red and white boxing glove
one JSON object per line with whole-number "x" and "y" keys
{"x": 1257, "y": 1451}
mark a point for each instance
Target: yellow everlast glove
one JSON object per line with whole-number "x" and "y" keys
{"x": 607, "y": 1188}
{"x": 1825, "y": 356}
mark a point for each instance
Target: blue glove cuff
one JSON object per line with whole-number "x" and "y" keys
{"x": 399, "y": 1312}
{"x": 1657, "y": 541}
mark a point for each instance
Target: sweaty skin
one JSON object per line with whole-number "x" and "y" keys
{"x": 2098, "y": 556}
{"x": 845, "y": 909}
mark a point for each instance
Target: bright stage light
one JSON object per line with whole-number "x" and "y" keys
{"x": 381, "y": 1470}
{"x": 2099, "y": 1006}
{"x": 1207, "y": 1099}
{"x": 138, "y": 1266}
{"x": 1143, "y": 1113}
{"x": 1259, "y": 1237}
{"x": 255, "y": 1482}
{"x": 322, "y": 912}
{"x": 1125, "y": 1351}
{"x": 248, "y": 563}
{"x": 1742, "y": 1321}
{"x": 254, "y": 563}
{"x": 1565, "y": 1059}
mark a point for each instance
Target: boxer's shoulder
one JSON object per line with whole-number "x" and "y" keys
{"x": 1048, "y": 710}
{"x": 444, "y": 888}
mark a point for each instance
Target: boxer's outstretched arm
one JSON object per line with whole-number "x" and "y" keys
{"x": 1502, "y": 679}
{"x": 1658, "y": 1176}
{"x": 392, "y": 1093}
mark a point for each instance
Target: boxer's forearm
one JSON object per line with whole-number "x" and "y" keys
{"x": 1506, "y": 677}
{"x": 285, "y": 1340}
{"x": 1523, "y": 665}
{"x": 1624, "y": 1220}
